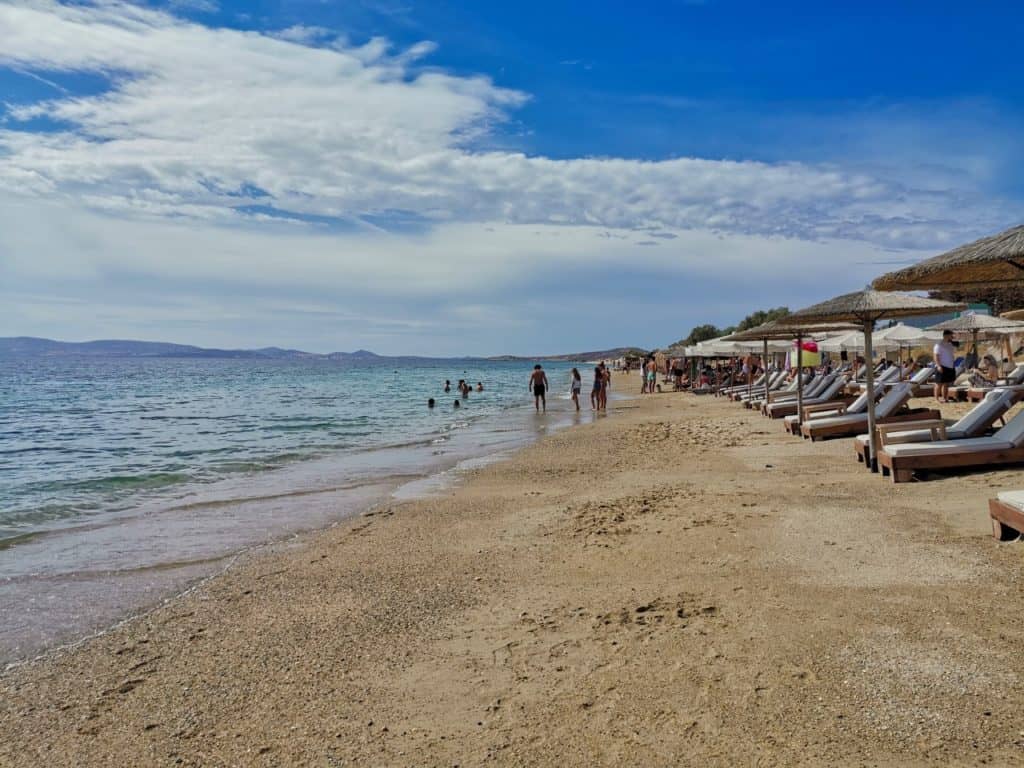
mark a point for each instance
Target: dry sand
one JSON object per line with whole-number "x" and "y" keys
{"x": 680, "y": 583}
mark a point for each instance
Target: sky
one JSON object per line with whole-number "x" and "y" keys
{"x": 460, "y": 177}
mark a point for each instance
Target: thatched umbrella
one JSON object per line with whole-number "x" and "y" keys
{"x": 784, "y": 329}
{"x": 997, "y": 260}
{"x": 868, "y": 307}
{"x": 1013, "y": 314}
{"x": 976, "y": 325}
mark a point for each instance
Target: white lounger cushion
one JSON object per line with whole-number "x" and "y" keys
{"x": 922, "y": 376}
{"x": 970, "y": 445}
{"x": 984, "y": 413}
{"x": 1013, "y": 432}
{"x": 1013, "y": 498}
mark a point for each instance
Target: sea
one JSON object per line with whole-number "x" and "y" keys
{"x": 125, "y": 481}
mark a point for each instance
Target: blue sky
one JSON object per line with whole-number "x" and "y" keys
{"x": 485, "y": 178}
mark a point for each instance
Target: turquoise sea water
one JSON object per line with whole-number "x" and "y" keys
{"x": 123, "y": 479}
{"x": 82, "y": 437}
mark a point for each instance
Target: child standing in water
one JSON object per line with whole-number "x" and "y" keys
{"x": 576, "y": 387}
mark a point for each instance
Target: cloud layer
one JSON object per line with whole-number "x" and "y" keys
{"x": 296, "y": 158}
{"x": 215, "y": 123}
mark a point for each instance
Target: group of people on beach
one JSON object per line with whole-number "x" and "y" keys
{"x": 598, "y": 393}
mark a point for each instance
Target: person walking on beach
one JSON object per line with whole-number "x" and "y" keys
{"x": 595, "y": 392}
{"x": 606, "y": 384}
{"x": 575, "y": 387}
{"x": 539, "y": 385}
{"x": 945, "y": 358}
{"x": 652, "y": 375}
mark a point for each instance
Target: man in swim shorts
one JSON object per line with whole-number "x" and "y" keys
{"x": 539, "y": 385}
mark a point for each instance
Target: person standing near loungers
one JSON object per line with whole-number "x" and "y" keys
{"x": 539, "y": 385}
{"x": 945, "y": 358}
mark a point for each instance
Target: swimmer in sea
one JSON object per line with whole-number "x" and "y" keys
{"x": 457, "y": 404}
{"x": 430, "y": 403}
{"x": 539, "y": 385}
{"x": 447, "y": 385}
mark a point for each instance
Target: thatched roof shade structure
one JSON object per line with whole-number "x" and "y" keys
{"x": 974, "y": 323}
{"x": 997, "y": 260}
{"x": 1013, "y": 314}
{"x": 868, "y": 307}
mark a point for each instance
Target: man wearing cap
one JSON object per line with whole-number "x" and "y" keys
{"x": 945, "y": 358}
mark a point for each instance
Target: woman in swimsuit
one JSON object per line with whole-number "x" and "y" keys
{"x": 576, "y": 387}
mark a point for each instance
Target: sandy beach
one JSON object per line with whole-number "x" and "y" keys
{"x": 681, "y": 583}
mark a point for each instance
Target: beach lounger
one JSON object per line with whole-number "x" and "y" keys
{"x": 1007, "y": 514}
{"x": 973, "y": 424}
{"x": 779, "y": 385}
{"x": 1006, "y": 446}
{"x": 890, "y": 374}
{"x": 826, "y": 410}
{"x": 921, "y": 381}
{"x": 831, "y": 394}
{"x": 811, "y": 389}
{"x": 774, "y": 381}
{"x": 890, "y": 409}
{"x": 1016, "y": 378}
{"x": 743, "y": 387}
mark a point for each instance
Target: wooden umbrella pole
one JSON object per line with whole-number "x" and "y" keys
{"x": 870, "y": 385}
{"x": 764, "y": 366}
{"x": 799, "y": 379}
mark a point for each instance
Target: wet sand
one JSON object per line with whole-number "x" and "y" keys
{"x": 678, "y": 584}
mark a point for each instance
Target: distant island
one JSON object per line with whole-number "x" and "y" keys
{"x": 28, "y": 346}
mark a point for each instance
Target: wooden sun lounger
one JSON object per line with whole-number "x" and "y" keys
{"x": 1004, "y": 447}
{"x": 1007, "y": 514}
{"x": 891, "y": 409}
{"x": 975, "y": 452}
{"x": 976, "y": 423}
{"x": 820, "y": 431}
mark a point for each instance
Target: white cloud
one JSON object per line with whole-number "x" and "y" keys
{"x": 202, "y": 122}
{"x": 296, "y": 162}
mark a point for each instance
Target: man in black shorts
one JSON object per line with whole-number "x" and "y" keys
{"x": 539, "y": 385}
{"x": 945, "y": 358}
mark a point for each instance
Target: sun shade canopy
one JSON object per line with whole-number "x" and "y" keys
{"x": 997, "y": 260}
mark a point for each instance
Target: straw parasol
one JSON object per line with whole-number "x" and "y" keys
{"x": 1013, "y": 314}
{"x": 997, "y": 260}
{"x": 783, "y": 328}
{"x": 868, "y": 307}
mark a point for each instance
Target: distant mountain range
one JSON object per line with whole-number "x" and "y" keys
{"x": 28, "y": 346}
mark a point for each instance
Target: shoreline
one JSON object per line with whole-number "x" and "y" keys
{"x": 680, "y": 584}
{"x": 127, "y": 595}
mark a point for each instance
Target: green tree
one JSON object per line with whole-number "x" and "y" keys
{"x": 702, "y": 333}
{"x": 755, "y": 319}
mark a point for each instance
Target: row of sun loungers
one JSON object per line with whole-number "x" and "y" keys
{"x": 911, "y": 441}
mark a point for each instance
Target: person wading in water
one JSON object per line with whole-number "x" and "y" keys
{"x": 539, "y": 385}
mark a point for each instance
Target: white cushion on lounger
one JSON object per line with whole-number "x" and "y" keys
{"x": 993, "y": 402}
{"x": 896, "y": 397}
{"x": 1013, "y": 432}
{"x": 834, "y": 421}
{"x": 1013, "y": 498}
{"x": 970, "y": 445}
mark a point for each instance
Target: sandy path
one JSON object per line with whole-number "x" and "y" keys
{"x": 679, "y": 584}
